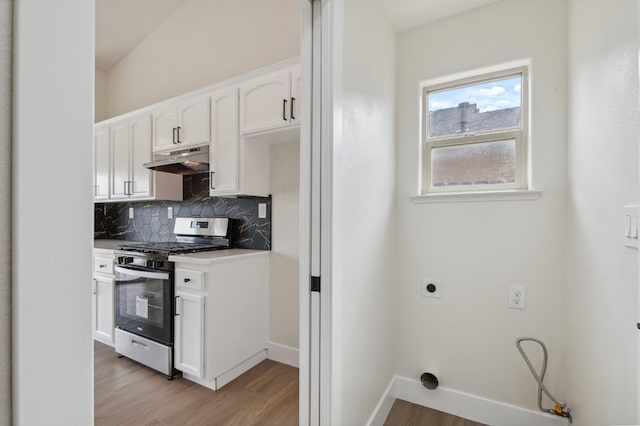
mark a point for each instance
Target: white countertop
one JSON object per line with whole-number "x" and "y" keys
{"x": 201, "y": 258}
{"x": 109, "y": 244}
{"x": 208, "y": 257}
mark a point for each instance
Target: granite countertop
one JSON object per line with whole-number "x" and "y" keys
{"x": 208, "y": 257}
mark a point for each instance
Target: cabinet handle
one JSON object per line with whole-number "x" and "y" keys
{"x": 211, "y": 181}
{"x": 130, "y": 187}
{"x": 176, "y": 305}
{"x": 292, "y": 101}
{"x": 284, "y": 109}
{"x": 174, "y": 135}
{"x": 102, "y": 265}
{"x": 125, "y": 188}
{"x": 179, "y": 141}
{"x": 186, "y": 280}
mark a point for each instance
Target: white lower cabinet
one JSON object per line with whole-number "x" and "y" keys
{"x": 102, "y": 299}
{"x": 189, "y": 333}
{"x": 221, "y": 316}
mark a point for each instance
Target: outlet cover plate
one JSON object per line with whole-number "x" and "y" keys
{"x": 431, "y": 288}
{"x": 517, "y": 297}
{"x": 262, "y": 210}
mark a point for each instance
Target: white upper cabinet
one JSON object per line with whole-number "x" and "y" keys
{"x": 237, "y": 167}
{"x": 141, "y": 178}
{"x": 224, "y": 149}
{"x": 130, "y": 141}
{"x": 268, "y": 102}
{"x": 101, "y": 164}
{"x": 165, "y": 123}
{"x": 120, "y": 160}
{"x": 130, "y": 149}
{"x": 296, "y": 89}
{"x": 181, "y": 124}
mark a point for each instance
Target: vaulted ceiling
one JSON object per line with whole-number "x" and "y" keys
{"x": 122, "y": 24}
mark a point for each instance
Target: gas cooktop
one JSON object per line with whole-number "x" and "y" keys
{"x": 175, "y": 247}
{"x": 191, "y": 234}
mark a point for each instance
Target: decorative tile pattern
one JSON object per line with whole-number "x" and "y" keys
{"x": 151, "y": 221}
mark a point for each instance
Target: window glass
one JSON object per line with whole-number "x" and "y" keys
{"x": 475, "y": 108}
{"x": 488, "y": 163}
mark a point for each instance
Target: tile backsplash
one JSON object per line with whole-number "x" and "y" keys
{"x": 151, "y": 221}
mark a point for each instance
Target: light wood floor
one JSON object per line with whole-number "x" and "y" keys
{"x": 127, "y": 393}
{"x": 404, "y": 413}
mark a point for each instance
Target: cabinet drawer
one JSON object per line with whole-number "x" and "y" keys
{"x": 190, "y": 279}
{"x": 103, "y": 265}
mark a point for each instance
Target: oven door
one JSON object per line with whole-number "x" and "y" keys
{"x": 144, "y": 302}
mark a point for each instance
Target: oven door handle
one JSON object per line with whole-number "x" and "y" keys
{"x": 142, "y": 274}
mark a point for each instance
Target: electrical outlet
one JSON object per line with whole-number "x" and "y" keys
{"x": 431, "y": 288}
{"x": 517, "y": 297}
{"x": 130, "y": 212}
{"x": 262, "y": 210}
{"x": 170, "y": 212}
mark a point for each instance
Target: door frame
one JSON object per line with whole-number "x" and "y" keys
{"x": 319, "y": 400}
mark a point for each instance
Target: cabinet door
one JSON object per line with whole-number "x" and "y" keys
{"x": 101, "y": 163}
{"x": 194, "y": 120}
{"x": 120, "y": 160}
{"x": 141, "y": 177}
{"x": 223, "y": 152}
{"x": 165, "y": 121}
{"x": 189, "y": 333}
{"x": 103, "y": 310}
{"x": 296, "y": 89}
{"x": 265, "y": 103}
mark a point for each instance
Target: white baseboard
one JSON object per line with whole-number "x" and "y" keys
{"x": 230, "y": 374}
{"x": 384, "y": 405}
{"x": 461, "y": 404}
{"x": 284, "y": 354}
{"x": 240, "y": 369}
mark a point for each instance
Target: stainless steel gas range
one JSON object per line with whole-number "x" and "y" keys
{"x": 144, "y": 290}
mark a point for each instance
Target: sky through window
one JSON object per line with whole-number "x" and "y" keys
{"x": 488, "y": 96}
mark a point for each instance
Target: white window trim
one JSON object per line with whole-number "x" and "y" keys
{"x": 479, "y": 196}
{"x": 520, "y": 135}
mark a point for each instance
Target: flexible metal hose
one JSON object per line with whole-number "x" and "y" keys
{"x": 559, "y": 410}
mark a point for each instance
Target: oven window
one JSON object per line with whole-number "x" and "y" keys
{"x": 144, "y": 306}
{"x": 143, "y": 301}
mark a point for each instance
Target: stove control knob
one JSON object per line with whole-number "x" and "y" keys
{"x": 155, "y": 264}
{"x": 123, "y": 260}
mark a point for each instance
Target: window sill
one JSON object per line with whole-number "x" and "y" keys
{"x": 463, "y": 197}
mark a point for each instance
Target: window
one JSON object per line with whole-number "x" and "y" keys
{"x": 474, "y": 133}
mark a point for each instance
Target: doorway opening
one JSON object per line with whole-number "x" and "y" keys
{"x": 230, "y": 45}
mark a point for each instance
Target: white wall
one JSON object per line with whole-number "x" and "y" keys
{"x": 284, "y": 258}
{"x": 52, "y": 213}
{"x": 363, "y": 212}
{"x": 100, "y": 96}
{"x": 6, "y": 38}
{"x": 602, "y": 274}
{"x": 204, "y": 42}
{"x": 477, "y": 249}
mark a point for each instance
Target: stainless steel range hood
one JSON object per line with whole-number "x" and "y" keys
{"x": 187, "y": 161}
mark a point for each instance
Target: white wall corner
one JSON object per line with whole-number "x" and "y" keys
{"x": 283, "y": 354}
{"x": 458, "y": 403}
{"x": 384, "y": 405}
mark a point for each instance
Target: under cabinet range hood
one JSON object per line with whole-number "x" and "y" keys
{"x": 189, "y": 161}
